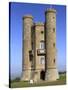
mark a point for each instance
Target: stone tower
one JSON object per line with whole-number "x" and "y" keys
{"x": 39, "y": 51}
{"x": 50, "y": 36}
{"x": 27, "y": 25}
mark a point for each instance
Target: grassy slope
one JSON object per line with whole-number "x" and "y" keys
{"x": 61, "y": 81}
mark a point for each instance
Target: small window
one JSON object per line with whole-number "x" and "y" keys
{"x": 54, "y": 60}
{"x": 53, "y": 17}
{"x": 53, "y": 29}
{"x": 41, "y": 32}
{"x": 53, "y": 44}
{"x": 42, "y": 45}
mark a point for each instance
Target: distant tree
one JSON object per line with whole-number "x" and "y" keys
{"x": 62, "y": 72}
{"x": 17, "y": 79}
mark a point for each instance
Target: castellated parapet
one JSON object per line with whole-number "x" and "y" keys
{"x": 39, "y": 61}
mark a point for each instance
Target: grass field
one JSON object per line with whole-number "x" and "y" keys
{"x": 60, "y": 81}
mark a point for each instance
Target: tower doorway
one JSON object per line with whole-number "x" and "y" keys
{"x": 42, "y": 75}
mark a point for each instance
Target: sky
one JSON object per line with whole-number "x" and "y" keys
{"x": 17, "y": 11}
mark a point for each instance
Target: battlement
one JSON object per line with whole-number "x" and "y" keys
{"x": 28, "y": 16}
{"x": 50, "y": 11}
{"x": 39, "y": 24}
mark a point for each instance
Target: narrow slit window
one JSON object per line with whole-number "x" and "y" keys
{"x": 53, "y": 29}
{"x": 41, "y": 32}
{"x": 53, "y": 44}
{"x": 54, "y": 60}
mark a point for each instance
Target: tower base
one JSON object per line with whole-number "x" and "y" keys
{"x": 26, "y": 75}
{"x": 51, "y": 74}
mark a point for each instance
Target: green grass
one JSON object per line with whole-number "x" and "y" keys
{"x": 60, "y": 81}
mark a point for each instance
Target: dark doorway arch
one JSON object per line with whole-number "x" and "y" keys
{"x": 42, "y": 75}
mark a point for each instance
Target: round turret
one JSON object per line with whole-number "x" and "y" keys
{"x": 50, "y": 38}
{"x": 27, "y": 26}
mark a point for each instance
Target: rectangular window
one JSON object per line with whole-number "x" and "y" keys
{"x": 42, "y": 46}
{"x": 42, "y": 60}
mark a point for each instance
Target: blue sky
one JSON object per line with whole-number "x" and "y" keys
{"x": 17, "y": 11}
